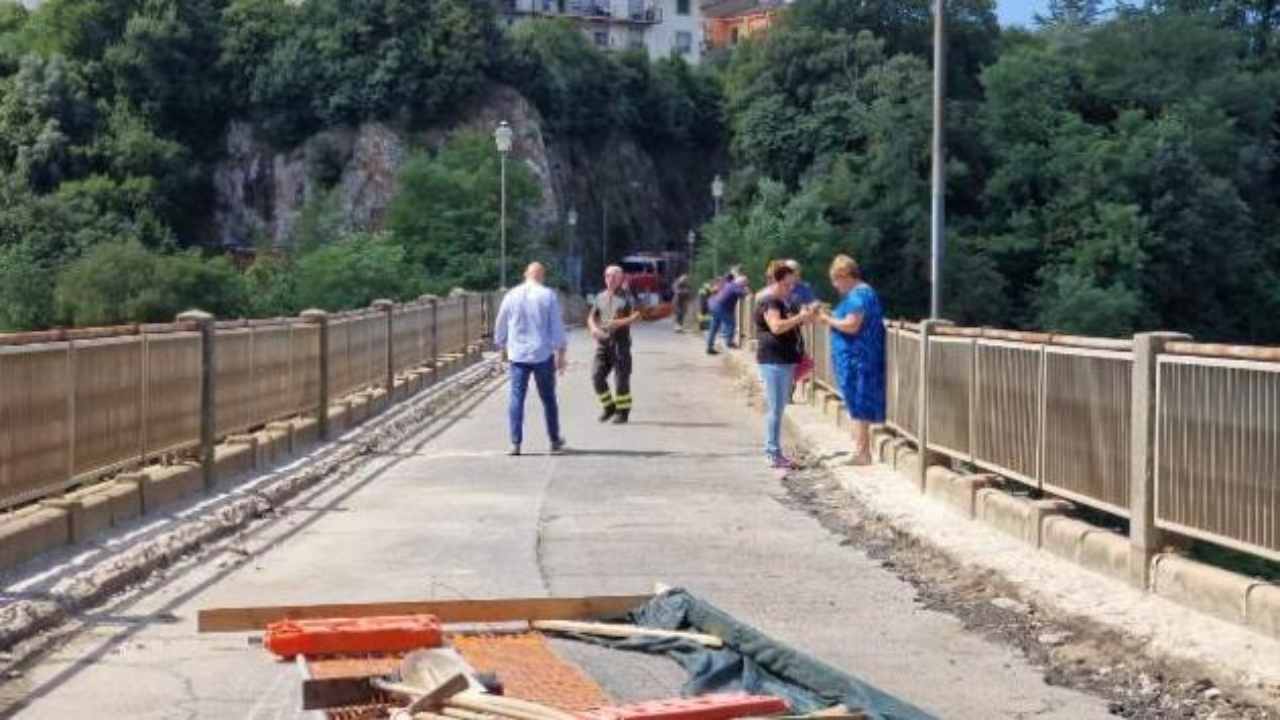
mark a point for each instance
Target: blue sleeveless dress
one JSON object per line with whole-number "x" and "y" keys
{"x": 858, "y": 359}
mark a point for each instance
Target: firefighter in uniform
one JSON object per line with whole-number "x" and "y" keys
{"x": 609, "y": 321}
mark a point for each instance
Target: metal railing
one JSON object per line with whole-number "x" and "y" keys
{"x": 1217, "y": 459}
{"x": 80, "y": 404}
{"x": 1058, "y": 413}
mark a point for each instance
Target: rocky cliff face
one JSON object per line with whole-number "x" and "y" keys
{"x": 627, "y": 197}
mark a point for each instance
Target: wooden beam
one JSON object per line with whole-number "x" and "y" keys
{"x": 247, "y": 619}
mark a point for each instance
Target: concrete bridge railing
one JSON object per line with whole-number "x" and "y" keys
{"x": 80, "y": 404}
{"x": 1178, "y": 438}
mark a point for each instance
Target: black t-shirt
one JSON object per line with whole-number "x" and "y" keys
{"x": 773, "y": 349}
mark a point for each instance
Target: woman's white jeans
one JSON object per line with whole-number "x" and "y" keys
{"x": 777, "y": 381}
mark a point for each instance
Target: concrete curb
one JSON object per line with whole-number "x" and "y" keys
{"x": 40, "y": 526}
{"x": 1046, "y": 525}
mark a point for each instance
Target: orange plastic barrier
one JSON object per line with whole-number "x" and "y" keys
{"x": 722, "y": 706}
{"x": 335, "y": 636}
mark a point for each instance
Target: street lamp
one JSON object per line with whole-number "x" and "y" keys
{"x": 502, "y": 138}
{"x": 692, "y": 237}
{"x": 937, "y": 228}
{"x": 717, "y": 192}
{"x": 572, "y": 220}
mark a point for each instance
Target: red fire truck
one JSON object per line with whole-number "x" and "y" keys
{"x": 650, "y": 273}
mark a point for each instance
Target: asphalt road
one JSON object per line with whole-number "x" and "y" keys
{"x": 681, "y": 496}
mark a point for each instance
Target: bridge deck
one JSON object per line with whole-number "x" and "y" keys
{"x": 680, "y": 496}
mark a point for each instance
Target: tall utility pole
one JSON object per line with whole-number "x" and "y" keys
{"x": 604, "y": 235}
{"x": 938, "y": 225}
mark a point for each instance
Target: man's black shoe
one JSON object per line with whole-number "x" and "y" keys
{"x": 712, "y": 351}
{"x": 514, "y": 450}
{"x": 622, "y": 417}
{"x": 557, "y": 446}
{"x": 609, "y": 411}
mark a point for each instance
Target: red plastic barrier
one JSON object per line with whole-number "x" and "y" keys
{"x": 724, "y": 706}
{"x": 336, "y": 636}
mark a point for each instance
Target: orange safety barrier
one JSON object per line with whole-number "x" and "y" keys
{"x": 721, "y": 706}
{"x": 333, "y": 636}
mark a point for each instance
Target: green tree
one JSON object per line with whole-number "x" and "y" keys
{"x": 446, "y": 213}
{"x": 354, "y": 272}
{"x": 125, "y": 282}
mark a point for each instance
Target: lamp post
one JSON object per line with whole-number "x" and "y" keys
{"x": 717, "y": 192}
{"x": 692, "y": 237}
{"x": 938, "y": 180}
{"x": 502, "y": 138}
{"x": 572, "y": 220}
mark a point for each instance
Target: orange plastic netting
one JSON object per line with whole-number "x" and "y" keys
{"x": 530, "y": 670}
{"x": 525, "y": 664}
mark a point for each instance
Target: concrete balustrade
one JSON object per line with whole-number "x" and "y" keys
{"x": 206, "y": 403}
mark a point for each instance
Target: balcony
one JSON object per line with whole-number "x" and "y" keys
{"x": 643, "y": 12}
{"x": 733, "y": 8}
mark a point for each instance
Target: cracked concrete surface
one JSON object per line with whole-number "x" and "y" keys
{"x": 681, "y": 496}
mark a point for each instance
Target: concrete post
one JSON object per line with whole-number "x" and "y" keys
{"x": 1144, "y": 536}
{"x": 466, "y": 323}
{"x": 922, "y": 431}
{"x": 388, "y": 308}
{"x": 208, "y": 379}
{"x": 320, "y": 319}
{"x": 435, "y": 338}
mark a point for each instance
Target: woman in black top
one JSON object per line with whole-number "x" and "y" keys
{"x": 777, "y": 352}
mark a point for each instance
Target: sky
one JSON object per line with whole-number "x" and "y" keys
{"x": 1019, "y": 12}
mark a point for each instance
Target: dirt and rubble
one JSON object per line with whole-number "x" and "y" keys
{"x": 1073, "y": 652}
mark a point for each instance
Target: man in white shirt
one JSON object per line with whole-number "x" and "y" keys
{"x": 529, "y": 332}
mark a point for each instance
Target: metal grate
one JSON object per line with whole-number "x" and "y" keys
{"x": 1087, "y": 426}
{"x": 1218, "y": 450}
{"x": 950, "y": 389}
{"x": 1006, "y": 413}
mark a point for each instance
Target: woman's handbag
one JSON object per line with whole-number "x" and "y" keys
{"x": 804, "y": 368}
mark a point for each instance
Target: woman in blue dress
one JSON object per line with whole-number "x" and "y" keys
{"x": 857, "y": 352}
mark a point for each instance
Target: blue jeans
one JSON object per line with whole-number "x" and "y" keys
{"x": 544, "y": 375}
{"x": 723, "y": 323}
{"x": 777, "y": 393}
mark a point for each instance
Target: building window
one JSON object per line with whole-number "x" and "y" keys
{"x": 682, "y": 7}
{"x": 684, "y": 43}
{"x": 602, "y": 39}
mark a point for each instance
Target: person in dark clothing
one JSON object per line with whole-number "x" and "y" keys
{"x": 777, "y": 324}
{"x": 724, "y": 307}
{"x": 682, "y": 294}
{"x": 609, "y": 321}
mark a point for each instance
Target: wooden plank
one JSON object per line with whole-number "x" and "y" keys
{"x": 246, "y": 619}
{"x": 320, "y": 694}
{"x": 623, "y": 631}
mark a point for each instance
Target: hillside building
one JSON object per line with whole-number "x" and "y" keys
{"x": 660, "y": 27}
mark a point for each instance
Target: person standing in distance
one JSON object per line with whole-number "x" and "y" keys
{"x": 529, "y": 332}
{"x": 683, "y": 293}
{"x": 609, "y": 321}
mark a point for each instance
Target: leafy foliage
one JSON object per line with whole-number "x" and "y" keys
{"x": 1104, "y": 176}
{"x": 447, "y": 214}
